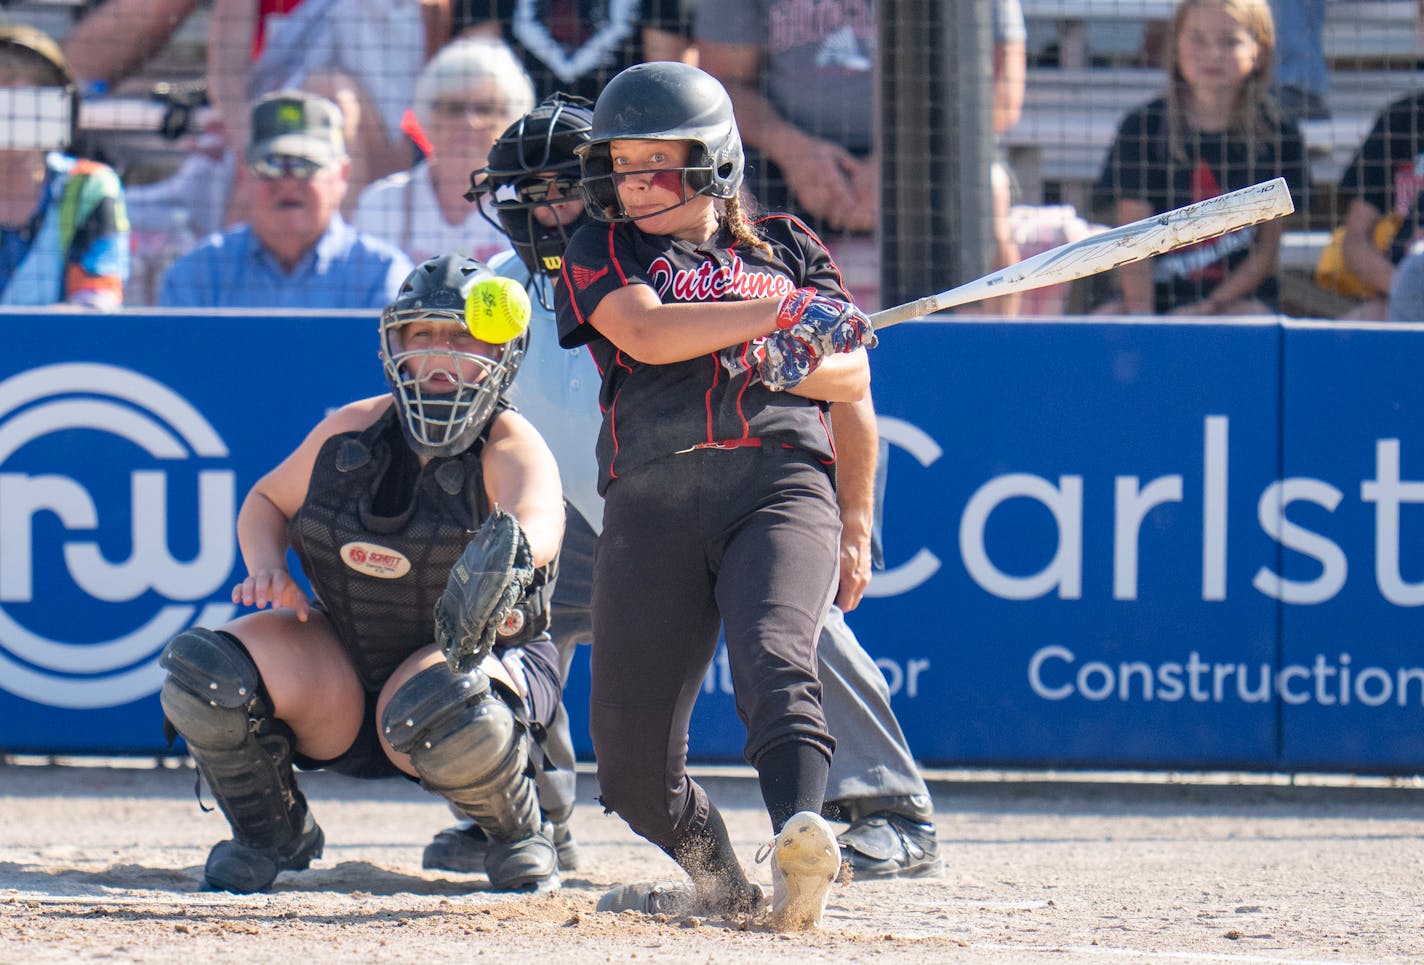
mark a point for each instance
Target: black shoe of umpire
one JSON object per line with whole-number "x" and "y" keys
{"x": 890, "y": 845}
{"x": 242, "y": 868}
{"x": 463, "y": 847}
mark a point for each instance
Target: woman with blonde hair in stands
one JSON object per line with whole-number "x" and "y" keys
{"x": 469, "y": 92}
{"x": 1214, "y": 130}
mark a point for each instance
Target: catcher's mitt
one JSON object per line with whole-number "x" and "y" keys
{"x": 485, "y": 585}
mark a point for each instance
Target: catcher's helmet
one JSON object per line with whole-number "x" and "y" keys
{"x": 441, "y": 421}
{"x": 533, "y": 154}
{"x": 663, "y": 101}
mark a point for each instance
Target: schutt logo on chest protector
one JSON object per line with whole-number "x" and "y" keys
{"x": 375, "y": 560}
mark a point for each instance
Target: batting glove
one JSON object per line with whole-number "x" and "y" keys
{"x": 829, "y": 324}
{"x": 781, "y": 360}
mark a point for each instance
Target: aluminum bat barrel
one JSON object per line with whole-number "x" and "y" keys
{"x": 1159, "y": 234}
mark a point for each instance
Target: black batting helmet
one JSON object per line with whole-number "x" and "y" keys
{"x": 664, "y": 101}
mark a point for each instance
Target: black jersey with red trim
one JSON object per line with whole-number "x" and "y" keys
{"x": 652, "y": 411}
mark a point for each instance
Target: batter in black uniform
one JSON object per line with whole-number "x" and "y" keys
{"x": 379, "y": 501}
{"x": 720, "y": 344}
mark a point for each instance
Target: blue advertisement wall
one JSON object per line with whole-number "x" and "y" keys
{"x": 1108, "y": 544}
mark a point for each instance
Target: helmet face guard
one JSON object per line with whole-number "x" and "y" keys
{"x": 663, "y": 101}
{"x": 532, "y": 166}
{"x": 600, "y": 184}
{"x": 445, "y": 394}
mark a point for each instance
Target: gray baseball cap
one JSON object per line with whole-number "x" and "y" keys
{"x": 298, "y": 124}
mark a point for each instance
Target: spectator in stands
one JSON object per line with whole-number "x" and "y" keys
{"x": 1406, "y": 291}
{"x": 471, "y": 91}
{"x": 1215, "y": 130}
{"x": 117, "y": 37}
{"x": 805, "y": 104}
{"x": 63, "y": 232}
{"x": 573, "y": 46}
{"x": 362, "y": 54}
{"x": 1302, "y": 77}
{"x": 1384, "y": 183}
{"x": 297, "y": 252}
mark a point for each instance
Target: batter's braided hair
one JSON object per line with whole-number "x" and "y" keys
{"x": 735, "y": 220}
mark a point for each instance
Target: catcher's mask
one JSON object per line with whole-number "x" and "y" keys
{"x": 663, "y": 101}
{"x": 534, "y": 155}
{"x": 445, "y": 384}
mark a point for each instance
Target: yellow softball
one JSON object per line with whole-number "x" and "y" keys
{"x": 497, "y": 310}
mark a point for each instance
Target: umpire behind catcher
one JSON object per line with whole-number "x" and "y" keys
{"x": 380, "y": 502}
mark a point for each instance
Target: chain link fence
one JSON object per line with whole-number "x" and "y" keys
{"x": 928, "y": 140}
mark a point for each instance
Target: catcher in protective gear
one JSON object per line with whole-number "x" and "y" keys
{"x": 484, "y": 594}
{"x": 379, "y": 503}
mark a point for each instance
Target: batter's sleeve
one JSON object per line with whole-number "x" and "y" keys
{"x": 816, "y": 268}
{"x": 598, "y": 261}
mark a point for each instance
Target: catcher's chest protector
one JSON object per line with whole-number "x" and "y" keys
{"x": 378, "y": 577}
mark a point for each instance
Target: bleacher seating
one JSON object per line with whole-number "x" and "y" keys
{"x": 1090, "y": 62}
{"x": 1090, "y": 65}
{"x": 1071, "y": 115}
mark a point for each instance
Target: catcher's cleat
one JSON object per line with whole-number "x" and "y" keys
{"x": 462, "y": 848}
{"x": 243, "y": 868}
{"x": 528, "y": 864}
{"x": 805, "y": 862}
{"x": 887, "y": 844}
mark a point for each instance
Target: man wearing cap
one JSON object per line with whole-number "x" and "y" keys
{"x": 296, "y": 251}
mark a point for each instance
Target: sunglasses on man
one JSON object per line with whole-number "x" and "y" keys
{"x": 274, "y": 167}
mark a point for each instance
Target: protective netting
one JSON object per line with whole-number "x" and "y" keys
{"x": 927, "y": 140}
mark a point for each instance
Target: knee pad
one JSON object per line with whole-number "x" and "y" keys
{"x": 212, "y": 690}
{"x": 468, "y": 746}
{"x": 453, "y": 726}
{"x": 213, "y": 696}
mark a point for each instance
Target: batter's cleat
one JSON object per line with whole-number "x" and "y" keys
{"x": 529, "y": 864}
{"x": 674, "y": 899}
{"x": 463, "y": 847}
{"x": 243, "y": 869}
{"x": 890, "y": 845}
{"x": 805, "y": 862}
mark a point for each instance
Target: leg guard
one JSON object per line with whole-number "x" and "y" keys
{"x": 213, "y": 697}
{"x": 468, "y": 747}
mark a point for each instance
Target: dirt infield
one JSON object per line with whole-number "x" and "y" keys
{"x": 105, "y": 862}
